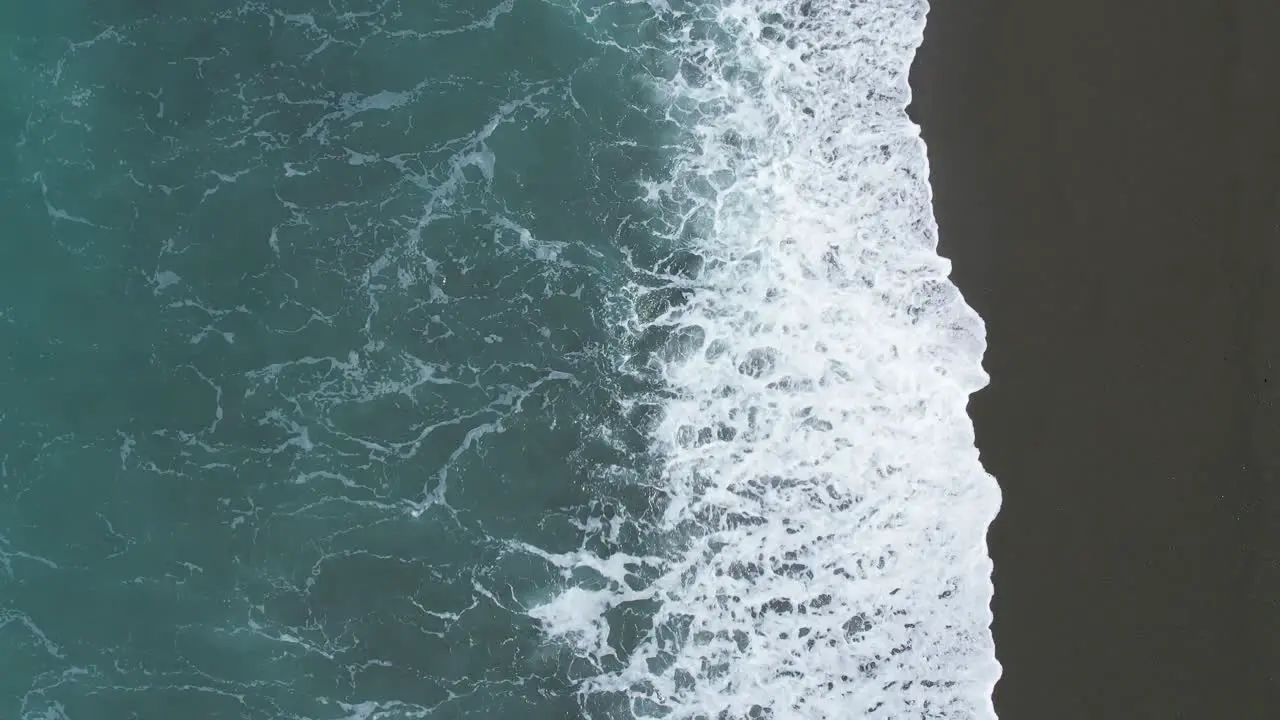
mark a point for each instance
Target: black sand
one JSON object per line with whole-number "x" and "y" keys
{"x": 1106, "y": 183}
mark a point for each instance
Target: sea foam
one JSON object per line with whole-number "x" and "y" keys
{"x": 825, "y": 509}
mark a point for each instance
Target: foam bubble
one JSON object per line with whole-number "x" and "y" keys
{"x": 826, "y": 509}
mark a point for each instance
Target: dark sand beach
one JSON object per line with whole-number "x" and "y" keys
{"x": 1107, "y": 183}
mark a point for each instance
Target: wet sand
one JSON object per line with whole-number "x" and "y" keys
{"x": 1107, "y": 184}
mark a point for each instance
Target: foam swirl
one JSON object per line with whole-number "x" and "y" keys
{"x": 825, "y": 506}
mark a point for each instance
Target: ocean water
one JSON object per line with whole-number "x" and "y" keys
{"x": 375, "y": 360}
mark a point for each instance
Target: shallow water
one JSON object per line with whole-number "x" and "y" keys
{"x": 561, "y": 359}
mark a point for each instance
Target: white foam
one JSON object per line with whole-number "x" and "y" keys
{"x": 827, "y": 509}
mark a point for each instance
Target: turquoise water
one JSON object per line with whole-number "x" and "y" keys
{"x": 375, "y": 360}
{"x": 307, "y": 315}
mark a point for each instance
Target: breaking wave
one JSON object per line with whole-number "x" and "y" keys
{"x": 821, "y": 543}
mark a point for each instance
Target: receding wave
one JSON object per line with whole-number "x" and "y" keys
{"x": 821, "y": 549}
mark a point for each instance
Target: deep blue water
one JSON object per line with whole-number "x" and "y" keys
{"x": 306, "y": 314}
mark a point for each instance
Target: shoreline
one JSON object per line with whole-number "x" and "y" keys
{"x": 1105, "y": 184}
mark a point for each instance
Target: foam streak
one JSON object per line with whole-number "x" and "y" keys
{"x": 827, "y": 509}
